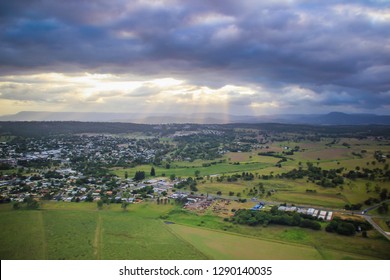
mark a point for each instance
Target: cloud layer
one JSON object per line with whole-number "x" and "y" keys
{"x": 237, "y": 56}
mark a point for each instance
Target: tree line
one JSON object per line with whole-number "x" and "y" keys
{"x": 254, "y": 218}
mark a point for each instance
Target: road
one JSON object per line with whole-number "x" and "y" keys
{"x": 371, "y": 221}
{"x": 375, "y": 225}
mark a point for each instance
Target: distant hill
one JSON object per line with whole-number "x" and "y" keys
{"x": 333, "y": 118}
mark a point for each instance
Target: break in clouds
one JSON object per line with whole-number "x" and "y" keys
{"x": 238, "y": 57}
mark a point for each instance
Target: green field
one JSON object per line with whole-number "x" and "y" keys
{"x": 188, "y": 169}
{"x": 213, "y": 244}
{"x": 79, "y": 231}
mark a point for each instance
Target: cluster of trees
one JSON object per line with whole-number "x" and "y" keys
{"x": 325, "y": 178}
{"x": 5, "y": 166}
{"x": 52, "y": 174}
{"x": 28, "y": 203}
{"x": 253, "y": 218}
{"x": 34, "y": 163}
{"x": 311, "y": 191}
{"x": 139, "y": 175}
{"x": 144, "y": 191}
{"x": 383, "y": 208}
{"x": 356, "y": 206}
{"x": 380, "y": 157}
{"x": 232, "y": 193}
{"x": 383, "y": 195}
{"x": 258, "y": 190}
{"x": 347, "y": 227}
{"x": 208, "y": 164}
{"x": 370, "y": 174}
{"x": 189, "y": 182}
{"x": 371, "y": 201}
{"x": 246, "y": 176}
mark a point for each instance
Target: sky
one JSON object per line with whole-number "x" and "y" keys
{"x": 234, "y": 57}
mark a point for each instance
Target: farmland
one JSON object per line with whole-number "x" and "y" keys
{"x": 80, "y": 231}
{"x": 65, "y": 232}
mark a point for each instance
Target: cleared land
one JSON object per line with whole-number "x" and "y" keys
{"x": 186, "y": 170}
{"x": 223, "y": 246}
{"x": 82, "y": 233}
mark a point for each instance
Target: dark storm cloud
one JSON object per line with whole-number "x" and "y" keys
{"x": 339, "y": 49}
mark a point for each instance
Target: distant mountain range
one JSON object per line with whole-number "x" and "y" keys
{"x": 333, "y": 118}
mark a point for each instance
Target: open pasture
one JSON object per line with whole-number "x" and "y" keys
{"x": 189, "y": 170}
{"x": 324, "y": 154}
{"x": 224, "y": 188}
{"x": 77, "y": 233}
{"x": 214, "y": 244}
{"x": 250, "y": 157}
{"x": 22, "y": 234}
{"x": 311, "y": 199}
{"x": 277, "y": 242}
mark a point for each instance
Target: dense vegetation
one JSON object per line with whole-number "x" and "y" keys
{"x": 326, "y": 178}
{"x": 348, "y": 226}
{"x": 254, "y": 218}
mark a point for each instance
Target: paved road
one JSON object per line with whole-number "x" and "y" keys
{"x": 371, "y": 221}
{"x": 375, "y": 225}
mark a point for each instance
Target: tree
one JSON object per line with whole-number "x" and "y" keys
{"x": 305, "y": 223}
{"x": 32, "y": 203}
{"x": 383, "y": 208}
{"x": 89, "y": 198}
{"x": 16, "y": 205}
{"x": 139, "y": 175}
{"x": 193, "y": 188}
{"x": 332, "y": 226}
{"x": 383, "y": 194}
{"x": 172, "y": 177}
{"x": 124, "y": 205}
{"x": 197, "y": 173}
{"x": 296, "y": 219}
{"x": 100, "y": 204}
{"x": 152, "y": 172}
{"x": 345, "y": 228}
